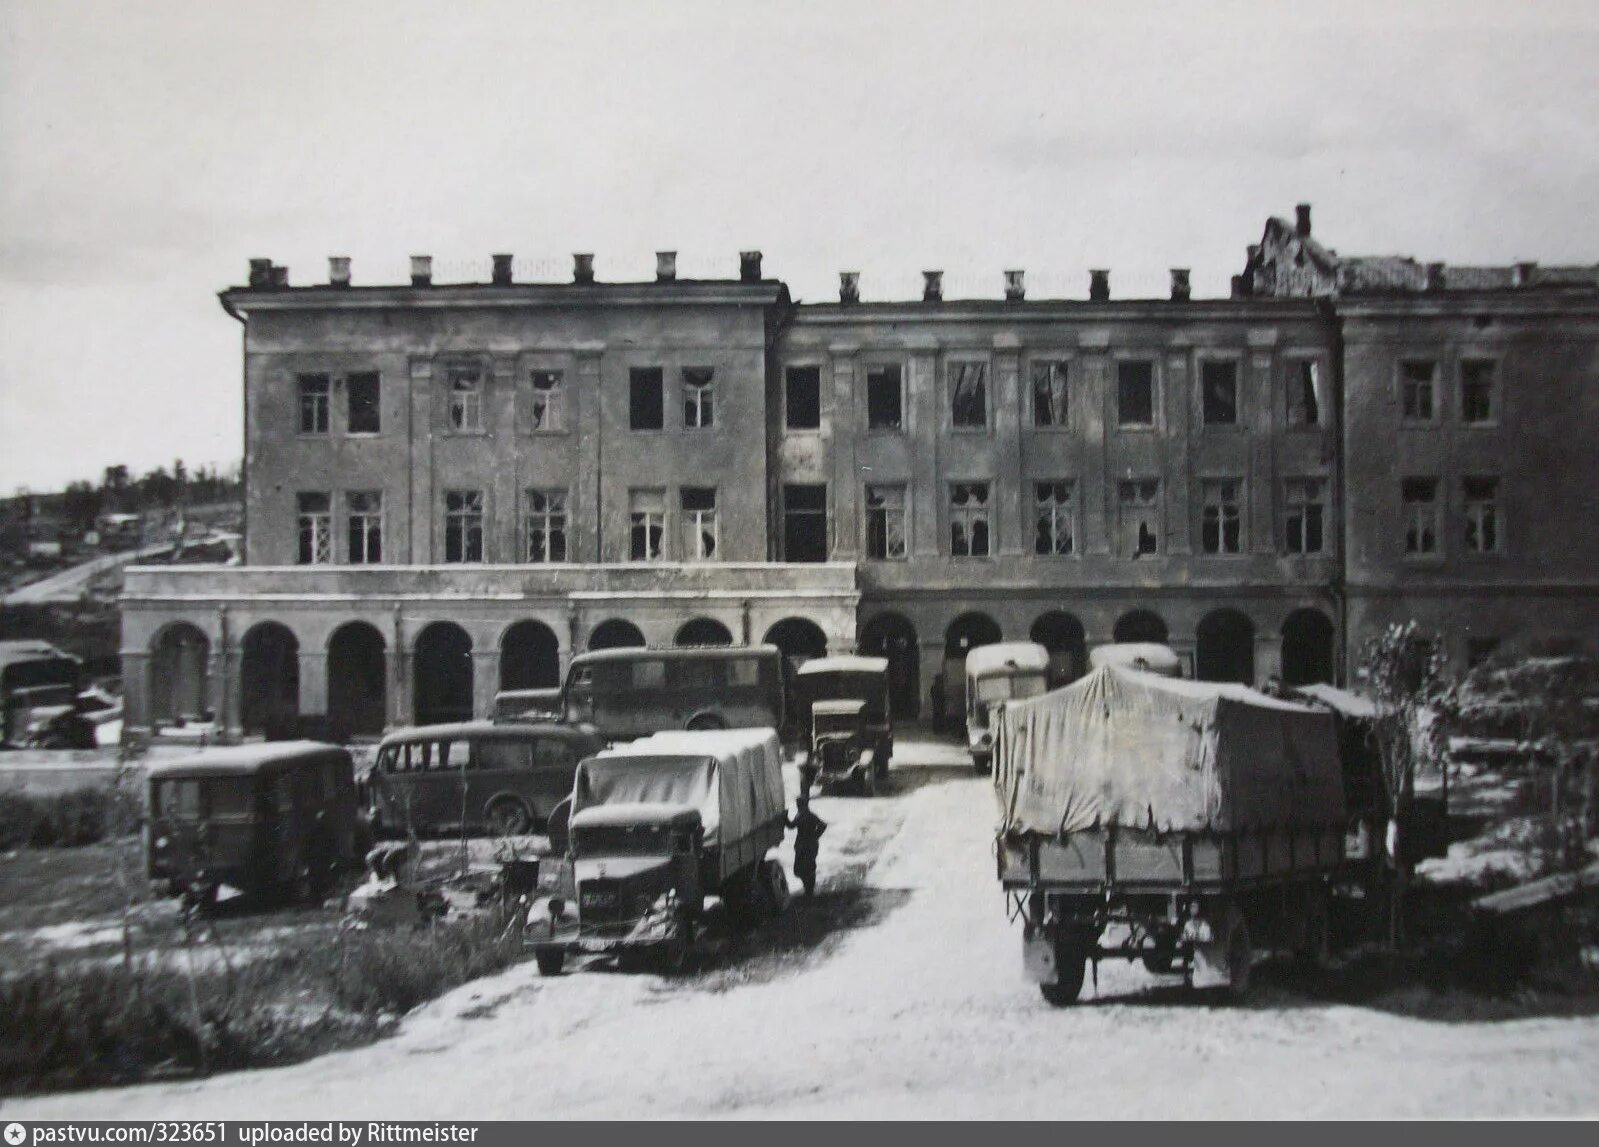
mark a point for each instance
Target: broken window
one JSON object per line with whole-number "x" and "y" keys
{"x": 884, "y": 401}
{"x": 1221, "y": 520}
{"x": 1140, "y": 517}
{"x": 313, "y": 403}
{"x": 1135, "y": 394}
{"x": 1049, "y": 394}
{"x": 364, "y": 519}
{"x": 1418, "y": 391}
{"x": 805, "y": 523}
{"x": 1480, "y": 499}
{"x": 646, "y": 409}
{"x": 646, "y": 510}
{"x": 699, "y": 410}
{"x": 885, "y": 523}
{"x": 1218, "y": 382}
{"x": 968, "y": 395}
{"x": 1304, "y": 392}
{"x": 1420, "y": 497}
{"x": 545, "y": 526}
{"x": 1478, "y": 386}
{"x": 1054, "y": 518}
{"x": 364, "y": 414}
{"x": 968, "y": 520}
{"x": 699, "y": 523}
{"x": 1304, "y": 511}
{"x": 463, "y": 525}
{"x": 803, "y": 398}
{"x": 546, "y": 414}
{"x": 316, "y": 528}
{"x": 466, "y": 399}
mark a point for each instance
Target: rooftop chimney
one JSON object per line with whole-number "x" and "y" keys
{"x": 1180, "y": 290}
{"x": 502, "y": 270}
{"x": 932, "y": 286}
{"x": 280, "y": 277}
{"x": 849, "y": 286}
{"x": 1521, "y": 274}
{"x": 583, "y": 268}
{"x": 1099, "y": 286}
{"x": 749, "y": 266}
{"x": 260, "y": 273}
{"x": 1239, "y": 290}
{"x": 1015, "y": 286}
{"x": 1302, "y": 220}
{"x": 421, "y": 270}
{"x": 338, "y": 270}
{"x": 665, "y": 266}
{"x": 1435, "y": 276}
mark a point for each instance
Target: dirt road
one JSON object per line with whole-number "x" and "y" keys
{"x": 896, "y": 992}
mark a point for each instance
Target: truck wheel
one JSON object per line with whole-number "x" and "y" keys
{"x": 550, "y": 961}
{"x": 509, "y": 817}
{"x": 1071, "y": 964}
{"x": 980, "y": 766}
{"x": 706, "y": 721}
{"x": 1159, "y": 959}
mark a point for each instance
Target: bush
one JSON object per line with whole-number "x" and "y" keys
{"x": 374, "y": 972}
{"x": 64, "y": 820}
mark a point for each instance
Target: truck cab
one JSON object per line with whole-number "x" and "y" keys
{"x": 1005, "y": 671}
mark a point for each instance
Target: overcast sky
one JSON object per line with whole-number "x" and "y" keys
{"x": 148, "y": 149}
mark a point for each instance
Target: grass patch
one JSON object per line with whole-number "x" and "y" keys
{"x": 66, "y": 819}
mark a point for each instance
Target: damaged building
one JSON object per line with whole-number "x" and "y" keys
{"x": 451, "y": 488}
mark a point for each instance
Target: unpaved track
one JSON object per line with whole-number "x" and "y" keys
{"x": 918, "y": 1010}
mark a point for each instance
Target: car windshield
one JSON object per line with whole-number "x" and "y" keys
{"x": 229, "y": 796}
{"x": 1009, "y": 688}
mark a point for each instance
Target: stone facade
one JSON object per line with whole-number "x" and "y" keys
{"x": 503, "y": 474}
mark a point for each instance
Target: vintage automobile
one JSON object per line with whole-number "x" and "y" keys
{"x": 1004, "y": 671}
{"x": 845, "y": 702}
{"x": 274, "y": 819}
{"x": 841, "y": 749}
{"x": 39, "y": 702}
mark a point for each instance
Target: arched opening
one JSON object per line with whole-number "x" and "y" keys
{"x": 1140, "y": 625}
{"x": 965, "y": 633}
{"x": 616, "y": 634}
{"x": 892, "y": 636}
{"x": 269, "y": 681}
{"x": 1307, "y": 648}
{"x": 703, "y": 631}
{"x": 1225, "y": 650}
{"x": 442, "y": 680}
{"x": 530, "y": 657}
{"x": 179, "y": 685}
{"x": 1062, "y": 634}
{"x": 798, "y": 638}
{"x": 358, "y": 695}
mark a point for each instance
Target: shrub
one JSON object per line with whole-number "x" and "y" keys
{"x": 66, "y": 819}
{"x": 374, "y": 972}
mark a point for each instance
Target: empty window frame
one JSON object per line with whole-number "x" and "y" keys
{"x": 1418, "y": 390}
{"x": 1221, "y": 523}
{"x": 805, "y": 523}
{"x": 315, "y": 510}
{"x": 313, "y": 390}
{"x": 1304, "y": 515}
{"x": 364, "y": 526}
{"x": 884, "y": 397}
{"x": 1050, "y": 394}
{"x": 1218, "y": 384}
{"x": 1054, "y": 518}
{"x": 968, "y": 395}
{"x": 970, "y": 528}
{"x": 547, "y": 406}
{"x": 646, "y": 512}
{"x": 802, "y": 398}
{"x": 699, "y": 397}
{"x": 1420, "y": 501}
{"x": 363, "y": 412}
{"x": 1135, "y": 393}
{"x": 1304, "y": 392}
{"x": 544, "y": 526}
{"x": 463, "y": 526}
{"x": 646, "y": 400}
{"x": 466, "y": 399}
{"x": 699, "y": 523}
{"x": 886, "y": 523}
{"x": 1479, "y": 391}
{"x": 1479, "y": 499}
{"x": 1139, "y": 501}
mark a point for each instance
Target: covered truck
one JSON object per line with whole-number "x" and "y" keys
{"x": 656, "y": 826}
{"x": 1176, "y": 822}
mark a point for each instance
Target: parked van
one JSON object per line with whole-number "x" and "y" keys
{"x": 276, "y": 818}
{"x": 505, "y": 777}
{"x": 628, "y": 693}
{"x": 1004, "y": 671}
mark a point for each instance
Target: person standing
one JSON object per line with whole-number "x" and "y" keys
{"x": 808, "y": 829}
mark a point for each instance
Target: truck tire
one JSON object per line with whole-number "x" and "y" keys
{"x": 1071, "y": 964}
{"x": 1159, "y": 959}
{"x": 508, "y": 816}
{"x": 702, "y": 721}
{"x": 550, "y": 961}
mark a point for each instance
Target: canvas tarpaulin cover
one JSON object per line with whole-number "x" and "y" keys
{"x": 1136, "y": 750}
{"x": 733, "y": 777}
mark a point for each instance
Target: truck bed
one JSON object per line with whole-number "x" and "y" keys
{"x": 1141, "y": 861}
